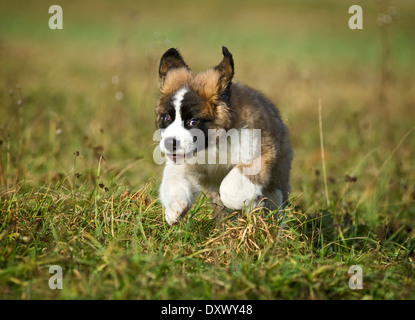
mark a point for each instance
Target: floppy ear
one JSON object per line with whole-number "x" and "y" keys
{"x": 171, "y": 59}
{"x": 226, "y": 70}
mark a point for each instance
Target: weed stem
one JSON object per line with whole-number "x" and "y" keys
{"x": 323, "y": 158}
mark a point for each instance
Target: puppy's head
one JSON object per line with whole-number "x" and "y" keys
{"x": 191, "y": 104}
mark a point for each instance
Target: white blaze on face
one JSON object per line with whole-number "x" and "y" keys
{"x": 176, "y": 129}
{"x": 177, "y": 102}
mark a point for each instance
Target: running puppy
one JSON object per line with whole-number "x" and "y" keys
{"x": 195, "y": 113}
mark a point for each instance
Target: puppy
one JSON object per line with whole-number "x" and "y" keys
{"x": 204, "y": 120}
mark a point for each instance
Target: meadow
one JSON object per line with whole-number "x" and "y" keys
{"x": 79, "y": 187}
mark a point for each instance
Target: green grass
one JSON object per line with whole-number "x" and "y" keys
{"x": 78, "y": 184}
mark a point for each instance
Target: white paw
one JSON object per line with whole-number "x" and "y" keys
{"x": 237, "y": 191}
{"x": 175, "y": 210}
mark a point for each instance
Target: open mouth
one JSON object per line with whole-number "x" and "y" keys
{"x": 180, "y": 157}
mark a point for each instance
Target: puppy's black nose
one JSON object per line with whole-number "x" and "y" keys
{"x": 171, "y": 144}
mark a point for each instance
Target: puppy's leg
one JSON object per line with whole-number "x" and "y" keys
{"x": 219, "y": 211}
{"x": 244, "y": 185}
{"x": 237, "y": 191}
{"x": 176, "y": 192}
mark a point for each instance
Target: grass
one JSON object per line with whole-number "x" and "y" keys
{"x": 78, "y": 185}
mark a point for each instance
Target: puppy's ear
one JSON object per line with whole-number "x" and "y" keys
{"x": 171, "y": 59}
{"x": 225, "y": 69}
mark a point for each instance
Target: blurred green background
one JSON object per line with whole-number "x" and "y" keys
{"x": 92, "y": 86}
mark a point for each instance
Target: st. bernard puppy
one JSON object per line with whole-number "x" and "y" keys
{"x": 221, "y": 136}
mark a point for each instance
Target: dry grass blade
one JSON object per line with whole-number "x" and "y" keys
{"x": 323, "y": 156}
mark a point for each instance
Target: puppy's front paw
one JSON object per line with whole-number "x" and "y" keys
{"x": 175, "y": 211}
{"x": 237, "y": 191}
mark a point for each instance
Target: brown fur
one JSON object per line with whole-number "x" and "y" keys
{"x": 256, "y": 112}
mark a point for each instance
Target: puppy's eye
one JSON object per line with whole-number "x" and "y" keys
{"x": 193, "y": 122}
{"x": 166, "y": 120}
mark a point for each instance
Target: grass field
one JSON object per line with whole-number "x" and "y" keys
{"x": 78, "y": 184}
